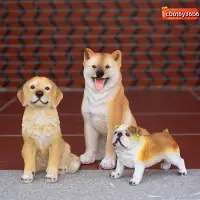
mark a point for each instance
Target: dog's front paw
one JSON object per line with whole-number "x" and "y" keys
{"x": 51, "y": 178}
{"x": 134, "y": 181}
{"x": 27, "y": 177}
{"x": 115, "y": 175}
{"x": 87, "y": 158}
{"x": 107, "y": 163}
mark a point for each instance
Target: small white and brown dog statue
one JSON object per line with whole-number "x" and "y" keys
{"x": 141, "y": 151}
{"x": 44, "y": 147}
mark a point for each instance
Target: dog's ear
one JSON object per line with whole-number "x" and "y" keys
{"x": 57, "y": 97}
{"x": 132, "y": 129}
{"x": 88, "y": 53}
{"x": 21, "y": 96}
{"x": 139, "y": 132}
{"x": 116, "y": 127}
{"x": 117, "y": 56}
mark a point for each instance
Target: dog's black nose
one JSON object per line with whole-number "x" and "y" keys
{"x": 39, "y": 93}
{"x": 119, "y": 134}
{"x": 100, "y": 73}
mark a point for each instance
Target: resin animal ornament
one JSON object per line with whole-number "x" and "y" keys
{"x": 44, "y": 147}
{"x": 138, "y": 151}
{"x": 104, "y": 105}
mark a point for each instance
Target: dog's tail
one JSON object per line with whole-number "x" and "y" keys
{"x": 166, "y": 130}
{"x": 74, "y": 164}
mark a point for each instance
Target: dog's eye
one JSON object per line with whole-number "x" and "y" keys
{"x": 47, "y": 88}
{"x": 115, "y": 132}
{"x": 32, "y": 87}
{"x": 107, "y": 66}
{"x": 127, "y": 134}
{"x": 93, "y": 66}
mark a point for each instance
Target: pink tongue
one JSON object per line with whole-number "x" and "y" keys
{"x": 99, "y": 83}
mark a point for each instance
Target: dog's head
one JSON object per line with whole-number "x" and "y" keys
{"x": 126, "y": 136}
{"x": 102, "y": 70}
{"x": 40, "y": 92}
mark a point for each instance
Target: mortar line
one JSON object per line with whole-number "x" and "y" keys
{"x": 8, "y": 103}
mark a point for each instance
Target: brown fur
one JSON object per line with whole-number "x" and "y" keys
{"x": 118, "y": 111}
{"x": 111, "y": 102}
{"x": 157, "y": 143}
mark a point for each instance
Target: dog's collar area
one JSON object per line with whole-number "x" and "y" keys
{"x": 45, "y": 103}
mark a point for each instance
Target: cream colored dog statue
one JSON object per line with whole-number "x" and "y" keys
{"x": 44, "y": 147}
{"x": 138, "y": 151}
{"x": 104, "y": 105}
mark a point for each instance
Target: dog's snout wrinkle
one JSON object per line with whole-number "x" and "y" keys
{"x": 39, "y": 93}
{"x": 100, "y": 73}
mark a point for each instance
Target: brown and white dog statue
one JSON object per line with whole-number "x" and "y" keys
{"x": 104, "y": 105}
{"x": 44, "y": 147}
{"x": 141, "y": 151}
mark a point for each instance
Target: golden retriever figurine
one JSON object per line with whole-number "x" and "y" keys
{"x": 141, "y": 151}
{"x": 44, "y": 147}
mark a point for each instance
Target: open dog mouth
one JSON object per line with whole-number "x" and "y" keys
{"x": 99, "y": 82}
{"x": 116, "y": 141}
{"x": 34, "y": 102}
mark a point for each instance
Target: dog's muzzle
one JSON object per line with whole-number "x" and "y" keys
{"x": 39, "y": 100}
{"x": 119, "y": 135}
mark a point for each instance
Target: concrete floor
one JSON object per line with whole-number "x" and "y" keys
{"x": 97, "y": 185}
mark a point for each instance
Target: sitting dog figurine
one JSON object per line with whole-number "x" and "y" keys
{"x": 44, "y": 147}
{"x": 141, "y": 151}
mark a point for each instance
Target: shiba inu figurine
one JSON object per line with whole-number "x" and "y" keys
{"x": 44, "y": 147}
{"x": 141, "y": 151}
{"x": 104, "y": 105}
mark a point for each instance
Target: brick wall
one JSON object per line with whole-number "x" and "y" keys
{"x": 48, "y": 38}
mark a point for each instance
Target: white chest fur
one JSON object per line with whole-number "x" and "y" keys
{"x": 98, "y": 117}
{"x": 129, "y": 157}
{"x": 126, "y": 158}
{"x": 41, "y": 127}
{"x": 95, "y": 108}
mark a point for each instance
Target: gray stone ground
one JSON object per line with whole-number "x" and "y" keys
{"x": 97, "y": 185}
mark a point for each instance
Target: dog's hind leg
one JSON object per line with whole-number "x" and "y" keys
{"x": 74, "y": 164}
{"x": 175, "y": 159}
{"x": 64, "y": 159}
{"x": 69, "y": 163}
{"x": 165, "y": 165}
